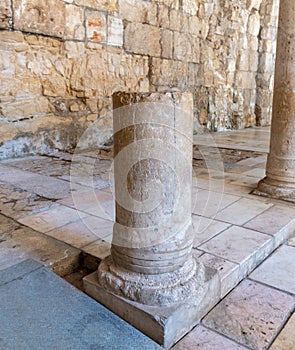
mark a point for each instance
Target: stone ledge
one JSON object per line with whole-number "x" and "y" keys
{"x": 165, "y": 325}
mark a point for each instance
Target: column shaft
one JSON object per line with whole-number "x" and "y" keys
{"x": 280, "y": 170}
{"x": 152, "y": 236}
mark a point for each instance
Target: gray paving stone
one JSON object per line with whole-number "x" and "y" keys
{"x": 278, "y": 270}
{"x": 18, "y": 270}
{"x": 42, "y": 311}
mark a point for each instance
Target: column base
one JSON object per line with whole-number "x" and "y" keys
{"x": 276, "y": 189}
{"x": 164, "y": 324}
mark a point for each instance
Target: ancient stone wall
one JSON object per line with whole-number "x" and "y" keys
{"x": 61, "y": 60}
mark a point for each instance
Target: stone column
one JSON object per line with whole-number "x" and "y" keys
{"x": 152, "y": 239}
{"x": 151, "y": 278}
{"x": 280, "y": 169}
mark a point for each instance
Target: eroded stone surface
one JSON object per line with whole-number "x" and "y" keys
{"x": 285, "y": 339}
{"x": 278, "y": 270}
{"x": 280, "y": 170}
{"x": 16, "y": 203}
{"x": 18, "y": 243}
{"x": 60, "y": 75}
{"x": 40, "y": 17}
{"x": 204, "y": 339}
{"x": 252, "y": 314}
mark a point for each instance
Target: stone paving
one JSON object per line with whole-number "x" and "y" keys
{"x": 54, "y": 211}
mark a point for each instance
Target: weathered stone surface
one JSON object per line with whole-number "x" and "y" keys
{"x": 202, "y": 338}
{"x": 251, "y": 314}
{"x": 151, "y": 270}
{"x": 143, "y": 39}
{"x": 280, "y": 169}
{"x": 40, "y": 17}
{"x": 74, "y": 28}
{"x": 149, "y": 320}
{"x": 138, "y": 11}
{"x": 96, "y": 26}
{"x": 278, "y": 270}
{"x": 5, "y": 14}
{"x": 102, "y": 5}
{"x": 212, "y": 49}
{"x": 115, "y": 31}
{"x": 286, "y": 339}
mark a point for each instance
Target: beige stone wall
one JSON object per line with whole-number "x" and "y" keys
{"x": 61, "y": 60}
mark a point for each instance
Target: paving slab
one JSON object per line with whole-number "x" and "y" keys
{"x": 99, "y": 249}
{"x": 278, "y": 270}
{"x": 209, "y": 203}
{"x": 50, "y": 219}
{"x": 205, "y": 228}
{"x": 19, "y": 243}
{"x": 16, "y": 202}
{"x": 242, "y": 211}
{"x": 291, "y": 242}
{"x": 42, "y": 185}
{"x": 39, "y": 310}
{"x": 252, "y": 314}
{"x": 83, "y": 232}
{"x": 273, "y": 220}
{"x": 201, "y": 338}
{"x": 286, "y": 339}
{"x": 227, "y": 245}
{"x": 229, "y": 272}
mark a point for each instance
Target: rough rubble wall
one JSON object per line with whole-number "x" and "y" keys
{"x": 62, "y": 60}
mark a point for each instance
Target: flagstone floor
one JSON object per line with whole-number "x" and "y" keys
{"x": 59, "y": 209}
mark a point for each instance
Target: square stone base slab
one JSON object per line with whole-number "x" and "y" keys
{"x": 165, "y": 325}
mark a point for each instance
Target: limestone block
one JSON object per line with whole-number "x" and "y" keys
{"x": 266, "y": 62}
{"x": 253, "y": 4}
{"x": 74, "y": 49}
{"x": 103, "y": 5}
{"x": 245, "y": 80}
{"x": 190, "y": 7}
{"x": 168, "y": 73}
{"x": 37, "y": 16}
{"x": 100, "y": 72}
{"x": 178, "y": 21}
{"x": 243, "y": 61}
{"x": 163, "y": 16}
{"x": 268, "y": 32}
{"x": 186, "y": 47}
{"x": 138, "y": 11}
{"x": 173, "y": 4}
{"x": 74, "y": 28}
{"x": 196, "y": 26}
{"x": 5, "y": 14}
{"x": 96, "y": 26}
{"x": 54, "y": 85}
{"x": 142, "y": 39}
{"x": 24, "y": 108}
{"x": 166, "y": 43}
{"x": 12, "y": 41}
{"x": 254, "y": 24}
{"x": 115, "y": 31}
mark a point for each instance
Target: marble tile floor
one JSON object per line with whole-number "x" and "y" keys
{"x": 48, "y": 199}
